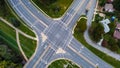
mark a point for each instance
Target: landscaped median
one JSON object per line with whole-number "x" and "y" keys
{"x": 53, "y": 8}
{"x": 62, "y": 63}
{"x": 80, "y": 37}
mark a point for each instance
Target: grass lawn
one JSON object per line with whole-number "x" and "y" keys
{"x": 9, "y": 35}
{"x": 62, "y": 63}
{"x": 79, "y": 36}
{"x": 28, "y": 45}
{"x": 26, "y": 30}
{"x": 55, "y": 9}
{"x": 7, "y": 30}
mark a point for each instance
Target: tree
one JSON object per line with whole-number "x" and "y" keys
{"x": 112, "y": 41}
{"x": 118, "y": 43}
{"x": 116, "y": 4}
{"x": 1, "y": 41}
{"x": 56, "y": 9}
{"x": 112, "y": 28}
{"x": 96, "y": 31}
{"x": 114, "y": 48}
{"x": 113, "y": 44}
{"x": 102, "y": 2}
{"x": 6, "y": 64}
{"x": 15, "y": 22}
{"x": 97, "y": 17}
{"x": 2, "y": 51}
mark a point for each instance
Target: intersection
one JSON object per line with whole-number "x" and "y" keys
{"x": 55, "y": 34}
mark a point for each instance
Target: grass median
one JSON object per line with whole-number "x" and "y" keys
{"x": 62, "y": 63}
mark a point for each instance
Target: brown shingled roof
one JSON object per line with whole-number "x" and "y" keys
{"x": 117, "y": 31}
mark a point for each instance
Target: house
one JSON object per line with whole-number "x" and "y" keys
{"x": 106, "y": 28}
{"x": 109, "y": 1}
{"x": 105, "y": 21}
{"x": 108, "y": 7}
{"x": 105, "y": 25}
{"x": 117, "y": 31}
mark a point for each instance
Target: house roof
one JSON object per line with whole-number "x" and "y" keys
{"x": 109, "y": 7}
{"x": 118, "y": 25}
{"x": 117, "y": 31}
{"x": 105, "y": 21}
{"x": 105, "y": 24}
{"x": 110, "y": 1}
{"x": 106, "y": 28}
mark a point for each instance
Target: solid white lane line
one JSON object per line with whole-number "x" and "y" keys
{"x": 33, "y": 14}
{"x": 82, "y": 56}
{"x": 41, "y": 57}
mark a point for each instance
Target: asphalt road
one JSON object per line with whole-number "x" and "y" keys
{"x": 55, "y": 34}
